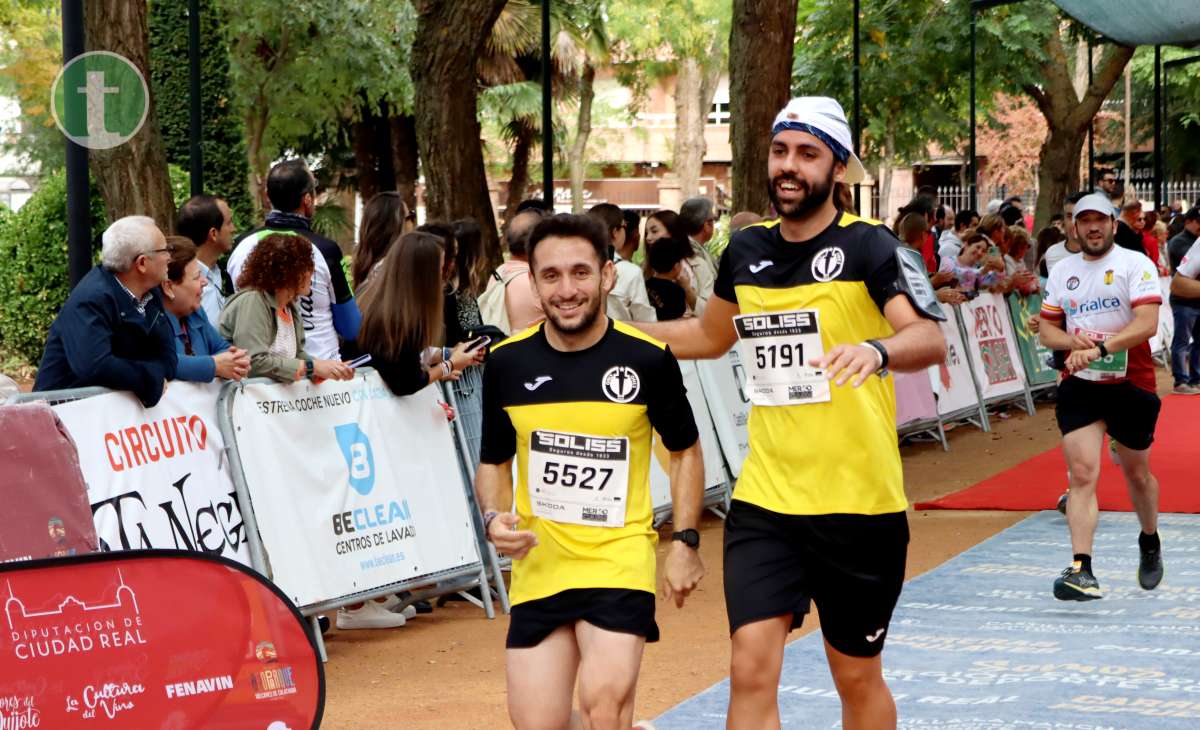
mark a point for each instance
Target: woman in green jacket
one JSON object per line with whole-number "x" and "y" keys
{"x": 263, "y": 318}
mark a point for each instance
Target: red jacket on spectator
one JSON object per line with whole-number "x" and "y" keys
{"x": 1150, "y": 242}
{"x": 928, "y": 252}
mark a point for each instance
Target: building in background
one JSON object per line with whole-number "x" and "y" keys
{"x": 18, "y": 176}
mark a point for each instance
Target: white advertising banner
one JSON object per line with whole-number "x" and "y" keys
{"x": 721, "y": 380}
{"x": 353, "y": 488}
{"x": 157, "y": 477}
{"x": 993, "y": 346}
{"x": 714, "y": 465}
{"x": 951, "y": 379}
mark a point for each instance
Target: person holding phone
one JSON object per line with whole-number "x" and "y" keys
{"x": 402, "y": 318}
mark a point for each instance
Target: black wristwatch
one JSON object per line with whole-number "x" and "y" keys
{"x": 308, "y": 369}
{"x": 883, "y": 355}
{"x": 688, "y": 537}
{"x": 1103, "y": 350}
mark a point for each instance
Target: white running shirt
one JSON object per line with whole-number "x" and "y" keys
{"x": 1097, "y": 298}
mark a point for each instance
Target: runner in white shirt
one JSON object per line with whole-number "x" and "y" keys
{"x": 1102, "y": 306}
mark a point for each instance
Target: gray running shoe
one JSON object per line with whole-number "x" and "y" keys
{"x": 1076, "y": 585}
{"x": 1150, "y": 569}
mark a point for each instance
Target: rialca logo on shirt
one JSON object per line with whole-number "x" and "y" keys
{"x": 621, "y": 384}
{"x": 828, "y": 263}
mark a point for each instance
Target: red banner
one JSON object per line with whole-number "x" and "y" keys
{"x": 153, "y": 639}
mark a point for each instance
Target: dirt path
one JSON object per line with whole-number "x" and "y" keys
{"x": 446, "y": 670}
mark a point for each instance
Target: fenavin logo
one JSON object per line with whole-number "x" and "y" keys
{"x": 99, "y": 100}
{"x": 360, "y": 460}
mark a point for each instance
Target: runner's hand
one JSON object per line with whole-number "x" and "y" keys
{"x": 508, "y": 540}
{"x": 846, "y": 361}
{"x": 684, "y": 570}
{"x": 1080, "y": 359}
{"x": 1034, "y": 324}
{"x": 1081, "y": 341}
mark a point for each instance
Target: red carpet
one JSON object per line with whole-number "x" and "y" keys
{"x": 1037, "y": 483}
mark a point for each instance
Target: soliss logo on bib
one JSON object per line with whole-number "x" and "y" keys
{"x": 621, "y": 384}
{"x": 828, "y": 263}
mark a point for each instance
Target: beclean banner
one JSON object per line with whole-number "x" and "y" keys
{"x": 152, "y": 639}
{"x": 353, "y": 488}
{"x": 157, "y": 477}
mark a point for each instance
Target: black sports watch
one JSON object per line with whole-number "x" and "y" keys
{"x": 308, "y": 369}
{"x": 688, "y": 537}
{"x": 883, "y": 355}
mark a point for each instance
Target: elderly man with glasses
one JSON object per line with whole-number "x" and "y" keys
{"x": 113, "y": 331}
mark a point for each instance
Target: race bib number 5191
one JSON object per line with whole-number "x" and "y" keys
{"x": 776, "y": 348}
{"x": 579, "y": 479}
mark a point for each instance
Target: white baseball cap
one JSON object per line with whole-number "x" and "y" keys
{"x": 824, "y": 118}
{"x": 1097, "y": 202}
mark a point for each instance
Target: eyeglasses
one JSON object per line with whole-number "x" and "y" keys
{"x": 167, "y": 249}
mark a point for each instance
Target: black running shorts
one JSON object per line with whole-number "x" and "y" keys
{"x": 851, "y": 566}
{"x": 1129, "y": 413}
{"x": 611, "y": 609}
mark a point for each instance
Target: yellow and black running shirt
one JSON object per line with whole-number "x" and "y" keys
{"x": 580, "y": 425}
{"x": 840, "y": 456}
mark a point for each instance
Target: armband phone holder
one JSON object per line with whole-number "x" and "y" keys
{"x": 913, "y": 282}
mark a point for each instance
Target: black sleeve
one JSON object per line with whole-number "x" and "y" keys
{"x": 667, "y": 406}
{"x": 881, "y": 272}
{"x": 337, "y": 277}
{"x": 453, "y": 329}
{"x": 499, "y": 442}
{"x": 403, "y": 376}
{"x": 723, "y": 285}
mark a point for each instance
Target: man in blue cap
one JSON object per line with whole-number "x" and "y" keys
{"x": 822, "y": 304}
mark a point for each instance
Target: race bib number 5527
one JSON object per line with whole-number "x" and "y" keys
{"x": 776, "y": 348}
{"x": 579, "y": 479}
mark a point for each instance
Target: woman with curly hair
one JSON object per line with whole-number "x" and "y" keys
{"x": 263, "y": 318}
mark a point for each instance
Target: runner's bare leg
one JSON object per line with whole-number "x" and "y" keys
{"x": 1143, "y": 487}
{"x": 1082, "y": 448}
{"x": 754, "y": 674}
{"x": 608, "y": 672}
{"x": 541, "y": 683}
{"x": 867, "y": 702}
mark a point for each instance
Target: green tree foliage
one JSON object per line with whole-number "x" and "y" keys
{"x": 223, "y": 141}
{"x": 1182, "y": 126}
{"x": 299, "y": 73}
{"x": 30, "y": 58}
{"x": 33, "y": 265}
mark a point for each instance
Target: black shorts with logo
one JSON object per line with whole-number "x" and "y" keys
{"x": 612, "y": 609}
{"x": 1129, "y": 413}
{"x": 851, "y": 566}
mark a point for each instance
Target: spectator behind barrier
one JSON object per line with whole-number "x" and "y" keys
{"x": 742, "y": 219}
{"x": 203, "y": 353}
{"x": 950, "y": 242}
{"x": 967, "y": 266}
{"x": 455, "y": 323}
{"x": 1047, "y": 238}
{"x": 665, "y": 257}
{"x": 697, "y": 219}
{"x": 385, "y": 218}
{"x": 208, "y": 223}
{"x": 666, "y": 224}
{"x": 112, "y": 331}
{"x": 516, "y": 301}
{"x": 263, "y": 318}
{"x": 328, "y": 308}
{"x": 627, "y": 301}
{"x": 402, "y": 318}
{"x": 633, "y": 228}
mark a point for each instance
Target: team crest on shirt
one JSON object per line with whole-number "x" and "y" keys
{"x": 828, "y": 263}
{"x": 1073, "y": 283}
{"x": 1108, "y": 276}
{"x": 1147, "y": 276}
{"x": 621, "y": 384}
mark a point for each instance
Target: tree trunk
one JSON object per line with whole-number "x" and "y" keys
{"x": 577, "y": 156}
{"x": 520, "y": 170}
{"x": 761, "y": 38}
{"x": 404, "y": 157}
{"x": 1067, "y": 119}
{"x": 695, "y": 86}
{"x": 132, "y": 177}
{"x": 256, "y": 126}
{"x": 450, "y": 37}
{"x": 373, "y": 152}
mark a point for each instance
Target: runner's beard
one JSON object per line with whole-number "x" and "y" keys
{"x": 591, "y": 311}
{"x": 815, "y": 197}
{"x": 1097, "y": 249}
